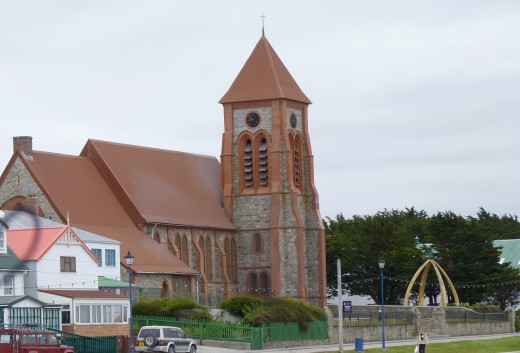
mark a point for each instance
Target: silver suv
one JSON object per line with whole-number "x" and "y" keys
{"x": 164, "y": 339}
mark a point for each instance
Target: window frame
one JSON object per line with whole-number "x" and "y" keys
{"x": 9, "y": 290}
{"x": 67, "y": 264}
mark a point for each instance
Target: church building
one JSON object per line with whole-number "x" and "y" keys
{"x": 247, "y": 224}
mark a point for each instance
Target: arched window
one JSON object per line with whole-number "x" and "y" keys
{"x": 166, "y": 287}
{"x": 265, "y": 286}
{"x": 157, "y": 237}
{"x": 297, "y": 155}
{"x": 254, "y": 159}
{"x": 248, "y": 163}
{"x": 207, "y": 258}
{"x": 202, "y": 258}
{"x": 257, "y": 243}
{"x": 263, "y": 162}
{"x": 230, "y": 246}
{"x": 252, "y": 283}
{"x": 184, "y": 251}
{"x": 178, "y": 245}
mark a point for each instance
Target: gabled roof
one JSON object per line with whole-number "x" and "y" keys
{"x": 73, "y": 185}
{"x": 161, "y": 186}
{"x": 510, "y": 251}
{"x": 10, "y": 262}
{"x": 264, "y": 76}
{"x": 23, "y": 220}
{"x": 33, "y": 243}
{"x": 12, "y": 300}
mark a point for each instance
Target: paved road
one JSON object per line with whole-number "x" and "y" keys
{"x": 350, "y": 346}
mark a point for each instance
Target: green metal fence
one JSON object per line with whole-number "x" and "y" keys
{"x": 84, "y": 344}
{"x": 256, "y": 336}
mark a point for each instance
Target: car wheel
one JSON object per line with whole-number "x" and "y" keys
{"x": 150, "y": 341}
{"x": 171, "y": 349}
{"x": 193, "y": 349}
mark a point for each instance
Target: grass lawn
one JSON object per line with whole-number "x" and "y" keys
{"x": 498, "y": 345}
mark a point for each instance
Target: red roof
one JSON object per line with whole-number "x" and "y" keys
{"x": 83, "y": 294}
{"x": 74, "y": 185}
{"x": 33, "y": 244}
{"x": 264, "y": 76}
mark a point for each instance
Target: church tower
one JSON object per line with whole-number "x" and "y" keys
{"x": 268, "y": 182}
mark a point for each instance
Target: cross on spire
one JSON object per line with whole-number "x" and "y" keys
{"x": 263, "y": 16}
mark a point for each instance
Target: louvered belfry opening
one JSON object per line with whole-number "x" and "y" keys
{"x": 263, "y": 162}
{"x": 297, "y": 162}
{"x": 248, "y": 163}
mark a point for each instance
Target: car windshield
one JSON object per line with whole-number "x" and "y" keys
{"x": 149, "y": 331}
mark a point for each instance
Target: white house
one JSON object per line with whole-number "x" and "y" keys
{"x": 63, "y": 271}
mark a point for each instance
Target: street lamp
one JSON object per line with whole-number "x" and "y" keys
{"x": 129, "y": 259}
{"x": 382, "y": 267}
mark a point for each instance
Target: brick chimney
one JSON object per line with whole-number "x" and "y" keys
{"x": 23, "y": 144}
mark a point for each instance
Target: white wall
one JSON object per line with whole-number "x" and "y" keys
{"x": 49, "y": 275}
{"x": 113, "y": 272}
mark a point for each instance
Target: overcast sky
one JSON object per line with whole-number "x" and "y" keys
{"x": 415, "y": 103}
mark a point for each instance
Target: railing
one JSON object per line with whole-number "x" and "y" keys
{"x": 83, "y": 344}
{"x": 204, "y": 330}
{"x": 279, "y": 331}
{"x": 368, "y": 318}
{"x": 467, "y": 316}
{"x": 199, "y": 329}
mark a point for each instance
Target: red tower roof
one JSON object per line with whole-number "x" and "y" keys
{"x": 264, "y": 76}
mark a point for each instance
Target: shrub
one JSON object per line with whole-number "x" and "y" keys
{"x": 240, "y": 305}
{"x": 178, "y": 307}
{"x": 257, "y": 312}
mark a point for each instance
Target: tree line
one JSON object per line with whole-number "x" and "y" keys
{"x": 462, "y": 246}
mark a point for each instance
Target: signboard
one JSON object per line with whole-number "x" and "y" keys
{"x": 347, "y": 307}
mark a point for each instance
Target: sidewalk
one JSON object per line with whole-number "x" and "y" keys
{"x": 350, "y": 346}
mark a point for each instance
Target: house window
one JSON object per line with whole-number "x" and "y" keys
{"x": 97, "y": 252}
{"x": 83, "y": 314}
{"x": 65, "y": 315}
{"x": 96, "y": 314}
{"x": 8, "y": 285}
{"x": 3, "y": 248}
{"x": 107, "y": 313}
{"x": 67, "y": 264}
{"x": 101, "y": 313}
{"x": 110, "y": 258}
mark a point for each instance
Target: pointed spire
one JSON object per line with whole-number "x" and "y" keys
{"x": 264, "y": 76}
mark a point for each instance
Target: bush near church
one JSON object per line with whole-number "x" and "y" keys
{"x": 257, "y": 312}
{"x": 178, "y": 307}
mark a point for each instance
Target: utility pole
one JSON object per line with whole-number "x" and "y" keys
{"x": 340, "y": 308}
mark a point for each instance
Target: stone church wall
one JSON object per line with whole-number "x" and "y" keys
{"x": 19, "y": 182}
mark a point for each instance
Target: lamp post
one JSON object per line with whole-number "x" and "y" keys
{"x": 129, "y": 259}
{"x": 382, "y": 267}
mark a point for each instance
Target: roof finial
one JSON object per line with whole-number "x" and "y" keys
{"x": 263, "y": 32}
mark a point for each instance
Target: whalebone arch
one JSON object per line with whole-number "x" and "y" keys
{"x": 441, "y": 277}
